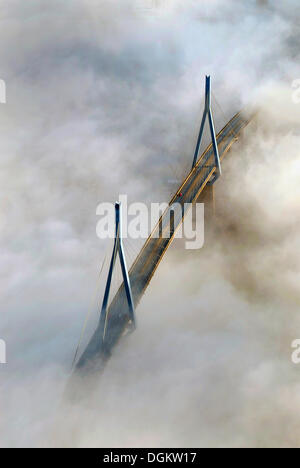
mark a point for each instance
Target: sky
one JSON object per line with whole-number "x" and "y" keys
{"x": 104, "y": 98}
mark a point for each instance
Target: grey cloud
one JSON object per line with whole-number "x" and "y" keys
{"x": 106, "y": 99}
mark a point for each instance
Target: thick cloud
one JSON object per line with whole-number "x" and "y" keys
{"x": 103, "y": 99}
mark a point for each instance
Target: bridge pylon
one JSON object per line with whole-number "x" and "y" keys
{"x": 207, "y": 113}
{"x": 118, "y": 249}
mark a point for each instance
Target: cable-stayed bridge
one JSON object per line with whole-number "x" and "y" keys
{"x": 118, "y": 318}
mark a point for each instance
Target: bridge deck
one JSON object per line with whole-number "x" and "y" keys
{"x": 155, "y": 247}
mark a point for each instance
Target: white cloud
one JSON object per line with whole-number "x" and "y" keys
{"x": 103, "y": 99}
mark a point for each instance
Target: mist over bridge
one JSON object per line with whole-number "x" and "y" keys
{"x": 118, "y": 318}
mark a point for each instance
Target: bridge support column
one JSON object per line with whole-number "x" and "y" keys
{"x": 207, "y": 114}
{"x": 118, "y": 249}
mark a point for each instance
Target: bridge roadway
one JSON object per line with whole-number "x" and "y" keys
{"x": 143, "y": 268}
